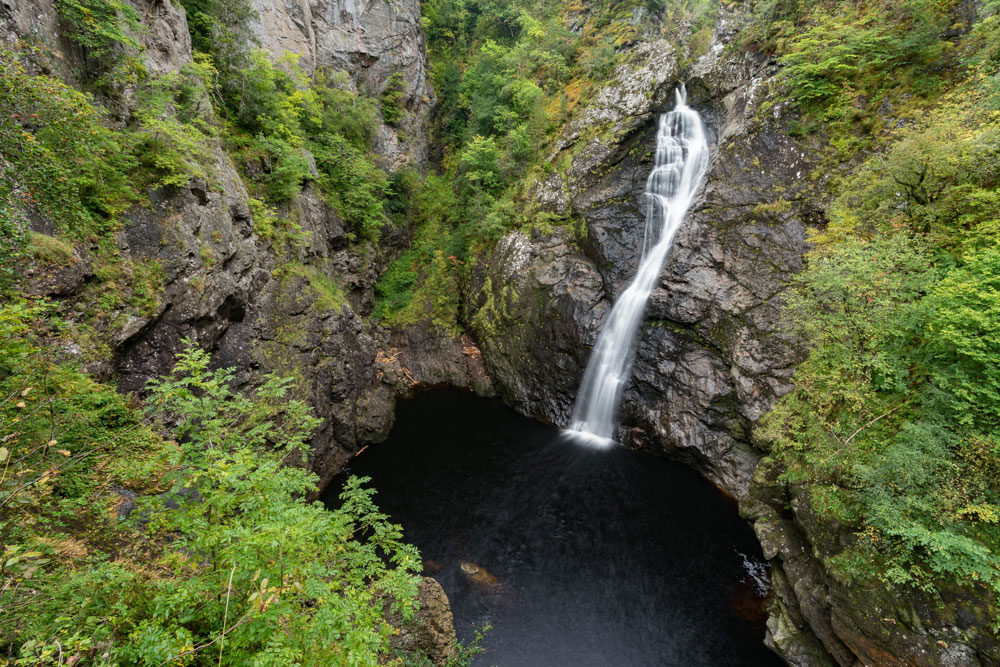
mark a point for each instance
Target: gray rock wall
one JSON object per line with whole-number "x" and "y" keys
{"x": 709, "y": 360}
{"x": 370, "y": 40}
{"x": 226, "y": 288}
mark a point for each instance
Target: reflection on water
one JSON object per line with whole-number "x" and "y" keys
{"x": 576, "y": 556}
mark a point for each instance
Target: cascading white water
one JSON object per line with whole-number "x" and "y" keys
{"x": 681, "y": 162}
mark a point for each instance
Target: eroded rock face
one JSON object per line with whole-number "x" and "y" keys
{"x": 818, "y": 619}
{"x": 531, "y": 304}
{"x": 370, "y": 40}
{"x": 257, "y": 308}
{"x": 708, "y": 361}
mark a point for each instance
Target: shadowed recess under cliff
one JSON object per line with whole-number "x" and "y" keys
{"x": 575, "y": 556}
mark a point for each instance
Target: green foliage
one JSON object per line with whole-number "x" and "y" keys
{"x": 174, "y": 133}
{"x": 392, "y": 99}
{"x": 351, "y": 184}
{"x": 236, "y": 567}
{"x": 842, "y": 47}
{"x": 13, "y": 227}
{"x": 223, "y": 30}
{"x": 844, "y": 61}
{"x": 503, "y": 76}
{"x": 422, "y": 283}
{"x": 292, "y": 131}
{"x": 896, "y": 415}
{"x": 354, "y": 117}
{"x": 963, "y": 338}
{"x": 61, "y": 163}
{"x": 106, "y": 30}
{"x": 938, "y": 180}
{"x": 480, "y": 167}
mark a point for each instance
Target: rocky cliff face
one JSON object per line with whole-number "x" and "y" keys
{"x": 256, "y": 309}
{"x": 709, "y": 360}
{"x": 711, "y": 357}
{"x": 371, "y": 40}
{"x": 817, "y": 618}
{"x": 224, "y": 286}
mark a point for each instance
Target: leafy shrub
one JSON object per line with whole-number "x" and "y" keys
{"x": 173, "y": 137}
{"x": 963, "y": 338}
{"x": 422, "y": 283}
{"x": 236, "y": 566}
{"x": 895, "y": 415}
{"x": 60, "y": 161}
{"x": 346, "y": 113}
{"x": 392, "y": 99}
{"x": 105, "y": 29}
{"x": 223, "y": 30}
{"x": 351, "y": 184}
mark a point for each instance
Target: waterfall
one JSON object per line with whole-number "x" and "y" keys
{"x": 681, "y": 162}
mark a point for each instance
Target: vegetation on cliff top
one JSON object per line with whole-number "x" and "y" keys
{"x": 178, "y": 534}
{"x": 894, "y": 425}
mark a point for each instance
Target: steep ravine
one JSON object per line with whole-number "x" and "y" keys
{"x": 709, "y": 362}
{"x": 226, "y": 287}
{"x": 711, "y": 358}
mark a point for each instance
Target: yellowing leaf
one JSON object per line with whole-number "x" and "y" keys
{"x": 20, "y": 404}
{"x": 4, "y": 453}
{"x": 64, "y": 452}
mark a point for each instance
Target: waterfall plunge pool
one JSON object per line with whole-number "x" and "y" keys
{"x": 575, "y": 556}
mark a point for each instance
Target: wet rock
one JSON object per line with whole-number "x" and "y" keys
{"x": 709, "y": 359}
{"x": 536, "y": 307}
{"x": 419, "y": 355}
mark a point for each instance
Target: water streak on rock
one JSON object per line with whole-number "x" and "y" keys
{"x": 681, "y": 163}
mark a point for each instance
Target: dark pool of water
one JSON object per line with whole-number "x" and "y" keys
{"x": 576, "y": 557}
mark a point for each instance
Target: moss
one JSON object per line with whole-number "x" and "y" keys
{"x": 49, "y": 249}
{"x": 328, "y": 294}
{"x": 207, "y": 255}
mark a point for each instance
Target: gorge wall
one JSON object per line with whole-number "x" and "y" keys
{"x": 224, "y": 286}
{"x": 711, "y": 356}
{"x": 710, "y": 360}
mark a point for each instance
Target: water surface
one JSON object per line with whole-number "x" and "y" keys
{"x": 577, "y": 557}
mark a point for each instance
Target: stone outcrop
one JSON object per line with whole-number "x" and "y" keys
{"x": 818, "y": 619}
{"x": 432, "y": 631}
